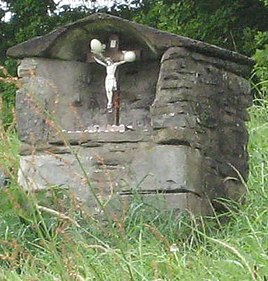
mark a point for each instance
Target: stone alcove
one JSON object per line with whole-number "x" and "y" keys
{"x": 72, "y": 84}
{"x": 184, "y": 100}
{"x": 76, "y": 97}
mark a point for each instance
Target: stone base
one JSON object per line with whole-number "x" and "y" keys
{"x": 165, "y": 172}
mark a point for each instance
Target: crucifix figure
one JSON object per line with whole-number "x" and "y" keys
{"x": 111, "y": 57}
{"x": 110, "y": 80}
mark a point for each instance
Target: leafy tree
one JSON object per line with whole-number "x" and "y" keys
{"x": 230, "y": 25}
{"x": 261, "y": 56}
{"x": 28, "y": 18}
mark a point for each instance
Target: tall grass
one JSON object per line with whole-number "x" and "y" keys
{"x": 50, "y": 236}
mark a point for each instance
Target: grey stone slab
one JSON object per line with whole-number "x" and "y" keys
{"x": 44, "y": 171}
{"x": 176, "y": 136}
{"x": 175, "y": 202}
{"x": 174, "y": 95}
{"x": 173, "y": 108}
{"x": 167, "y": 167}
{"x": 137, "y": 167}
{"x": 98, "y": 139}
{"x": 27, "y": 149}
{"x": 172, "y": 120}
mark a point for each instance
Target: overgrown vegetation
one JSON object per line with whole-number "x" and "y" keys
{"x": 50, "y": 236}
{"x": 54, "y": 238}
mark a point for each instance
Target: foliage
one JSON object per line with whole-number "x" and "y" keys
{"x": 21, "y": 26}
{"x": 260, "y": 72}
{"x": 142, "y": 243}
{"x": 7, "y": 97}
{"x": 230, "y": 25}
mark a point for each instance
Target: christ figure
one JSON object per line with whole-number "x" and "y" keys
{"x": 110, "y": 80}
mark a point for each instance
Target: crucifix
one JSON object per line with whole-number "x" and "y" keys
{"x": 111, "y": 57}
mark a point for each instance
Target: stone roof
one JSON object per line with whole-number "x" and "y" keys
{"x": 71, "y": 42}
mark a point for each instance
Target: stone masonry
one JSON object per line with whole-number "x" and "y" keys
{"x": 182, "y": 142}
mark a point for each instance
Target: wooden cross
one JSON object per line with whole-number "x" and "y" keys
{"x": 113, "y": 52}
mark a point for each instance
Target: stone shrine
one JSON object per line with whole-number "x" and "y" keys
{"x": 177, "y": 137}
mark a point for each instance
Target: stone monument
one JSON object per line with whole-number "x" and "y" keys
{"x": 174, "y": 130}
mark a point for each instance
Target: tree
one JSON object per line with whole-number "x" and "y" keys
{"x": 230, "y": 25}
{"x": 28, "y": 18}
{"x": 261, "y": 56}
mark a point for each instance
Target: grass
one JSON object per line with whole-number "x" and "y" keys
{"x": 36, "y": 244}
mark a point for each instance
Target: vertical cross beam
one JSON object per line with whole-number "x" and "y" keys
{"x": 116, "y": 55}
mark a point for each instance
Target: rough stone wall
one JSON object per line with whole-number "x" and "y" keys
{"x": 46, "y": 101}
{"x": 67, "y": 95}
{"x": 60, "y": 99}
{"x": 123, "y": 165}
{"x": 189, "y": 139}
{"x": 201, "y": 103}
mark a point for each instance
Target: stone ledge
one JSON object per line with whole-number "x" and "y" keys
{"x": 185, "y": 136}
{"x": 85, "y": 138}
{"x": 27, "y": 149}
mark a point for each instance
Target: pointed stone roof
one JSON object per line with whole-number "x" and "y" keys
{"x": 71, "y": 42}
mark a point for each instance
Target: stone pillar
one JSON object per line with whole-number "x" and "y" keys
{"x": 201, "y": 103}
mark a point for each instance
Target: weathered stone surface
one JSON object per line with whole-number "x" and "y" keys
{"x": 170, "y": 108}
{"x": 173, "y": 120}
{"x": 169, "y": 136}
{"x": 113, "y": 168}
{"x": 216, "y": 98}
{"x": 174, "y": 96}
{"x": 234, "y": 189}
{"x": 168, "y": 167}
{"x": 27, "y": 149}
{"x": 42, "y": 104}
{"x": 86, "y": 139}
{"x": 182, "y": 131}
{"x": 175, "y": 202}
{"x": 32, "y": 123}
{"x": 63, "y": 95}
